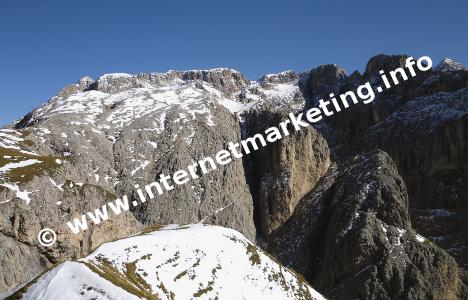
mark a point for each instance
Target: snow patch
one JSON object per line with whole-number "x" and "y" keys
{"x": 10, "y": 166}
{"x": 23, "y": 195}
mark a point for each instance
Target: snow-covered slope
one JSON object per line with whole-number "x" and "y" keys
{"x": 191, "y": 262}
{"x": 114, "y": 101}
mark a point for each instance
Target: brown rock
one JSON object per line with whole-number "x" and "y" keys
{"x": 283, "y": 172}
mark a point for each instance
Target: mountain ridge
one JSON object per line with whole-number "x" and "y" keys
{"x": 125, "y": 269}
{"x": 97, "y": 139}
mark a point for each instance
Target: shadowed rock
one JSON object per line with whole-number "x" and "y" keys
{"x": 352, "y": 238}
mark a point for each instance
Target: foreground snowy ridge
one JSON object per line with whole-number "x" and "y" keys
{"x": 190, "y": 262}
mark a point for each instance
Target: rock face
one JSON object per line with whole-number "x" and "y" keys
{"x": 421, "y": 124}
{"x": 325, "y": 78}
{"x": 283, "y": 172}
{"x": 339, "y": 128}
{"x": 181, "y": 144}
{"x": 432, "y": 155}
{"x": 14, "y": 253}
{"x": 352, "y": 238}
{"x": 191, "y": 262}
{"x": 384, "y": 62}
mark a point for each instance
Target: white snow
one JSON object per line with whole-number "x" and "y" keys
{"x": 114, "y": 75}
{"x": 10, "y": 166}
{"x": 58, "y": 186}
{"x": 215, "y": 212}
{"x": 10, "y": 139}
{"x": 69, "y": 279}
{"x": 154, "y": 144}
{"x": 420, "y": 238}
{"x": 232, "y": 106}
{"x": 384, "y": 229}
{"x": 23, "y": 195}
{"x": 142, "y": 166}
{"x": 448, "y": 64}
{"x": 401, "y": 232}
{"x": 112, "y": 112}
{"x": 177, "y": 250}
{"x": 191, "y": 262}
{"x": 78, "y": 123}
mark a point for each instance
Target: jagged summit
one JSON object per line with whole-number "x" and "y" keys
{"x": 85, "y": 79}
{"x": 384, "y": 62}
{"x": 448, "y": 65}
{"x": 116, "y": 100}
{"x": 282, "y": 77}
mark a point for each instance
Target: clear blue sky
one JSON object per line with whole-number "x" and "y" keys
{"x": 45, "y": 45}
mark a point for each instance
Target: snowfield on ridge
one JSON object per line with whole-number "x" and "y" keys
{"x": 190, "y": 262}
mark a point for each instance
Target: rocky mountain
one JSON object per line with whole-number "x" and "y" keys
{"x": 352, "y": 237}
{"x": 190, "y": 262}
{"x": 369, "y": 203}
{"x": 448, "y": 64}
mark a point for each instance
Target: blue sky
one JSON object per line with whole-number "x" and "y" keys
{"x": 45, "y": 45}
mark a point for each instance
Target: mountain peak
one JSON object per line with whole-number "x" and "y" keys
{"x": 448, "y": 65}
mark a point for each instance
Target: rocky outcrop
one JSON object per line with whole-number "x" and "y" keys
{"x": 226, "y": 80}
{"x": 21, "y": 222}
{"x": 449, "y": 65}
{"x": 384, "y": 62}
{"x": 19, "y": 262}
{"x": 352, "y": 238}
{"x": 283, "y": 172}
{"x": 182, "y": 143}
{"x": 280, "y": 78}
{"x": 421, "y": 124}
{"x": 325, "y": 75}
{"x": 442, "y": 81}
{"x": 323, "y": 80}
{"x": 427, "y": 139}
{"x": 340, "y": 128}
